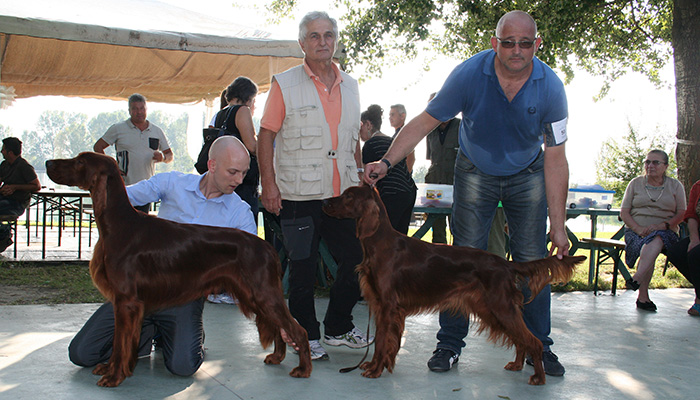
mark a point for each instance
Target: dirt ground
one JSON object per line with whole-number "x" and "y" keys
{"x": 24, "y": 294}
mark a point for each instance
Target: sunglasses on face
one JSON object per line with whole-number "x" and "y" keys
{"x": 509, "y": 44}
{"x": 655, "y": 162}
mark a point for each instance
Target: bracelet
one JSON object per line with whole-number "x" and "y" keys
{"x": 360, "y": 170}
{"x": 388, "y": 164}
{"x": 668, "y": 226}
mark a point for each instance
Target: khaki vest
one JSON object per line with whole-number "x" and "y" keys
{"x": 303, "y": 152}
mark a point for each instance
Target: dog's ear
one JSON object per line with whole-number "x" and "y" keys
{"x": 368, "y": 223}
{"x": 98, "y": 192}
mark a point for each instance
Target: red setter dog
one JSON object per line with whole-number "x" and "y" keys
{"x": 142, "y": 263}
{"x": 402, "y": 276}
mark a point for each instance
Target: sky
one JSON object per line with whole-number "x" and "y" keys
{"x": 632, "y": 99}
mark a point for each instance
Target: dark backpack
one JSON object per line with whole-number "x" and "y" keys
{"x": 225, "y": 124}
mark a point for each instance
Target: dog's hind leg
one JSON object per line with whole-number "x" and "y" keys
{"x": 272, "y": 316}
{"x": 525, "y": 343}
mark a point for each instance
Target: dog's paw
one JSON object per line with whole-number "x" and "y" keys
{"x": 274, "y": 359}
{"x": 101, "y": 369}
{"x": 536, "y": 380}
{"x": 299, "y": 372}
{"x": 110, "y": 380}
{"x": 514, "y": 366}
{"x": 371, "y": 370}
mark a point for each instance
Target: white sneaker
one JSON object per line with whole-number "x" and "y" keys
{"x": 317, "y": 351}
{"x": 354, "y": 339}
{"x": 223, "y": 298}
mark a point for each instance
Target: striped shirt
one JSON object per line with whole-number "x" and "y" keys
{"x": 398, "y": 180}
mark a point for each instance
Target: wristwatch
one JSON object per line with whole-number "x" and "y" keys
{"x": 388, "y": 164}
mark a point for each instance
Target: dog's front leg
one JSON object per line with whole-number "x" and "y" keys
{"x": 387, "y": 340}
{"x": 128, "y": 317}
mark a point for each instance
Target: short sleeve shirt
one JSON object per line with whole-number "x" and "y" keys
{"x": 650, "y": 205}
{"x": 134, "y": 149}
{"x": 501, "y": 137}
{"x": 18, "y": 173}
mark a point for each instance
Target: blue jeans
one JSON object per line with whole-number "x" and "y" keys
{"x": 476, "y": 197}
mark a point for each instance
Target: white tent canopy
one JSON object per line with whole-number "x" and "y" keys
{"x": 98, "y": 49}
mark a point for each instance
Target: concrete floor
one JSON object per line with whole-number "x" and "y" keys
{"x": 610, "y": 350}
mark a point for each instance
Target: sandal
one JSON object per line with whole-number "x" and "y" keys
{"x": 694, "y": 310}
{"x": 646, "y": 305}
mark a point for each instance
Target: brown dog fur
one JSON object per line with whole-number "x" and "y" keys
{"x": 403, "y": 276}
{"x": 142, "y": 263}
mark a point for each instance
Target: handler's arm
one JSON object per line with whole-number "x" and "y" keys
{"x": 271, "y": 198}
{"x": 556, "y": 178}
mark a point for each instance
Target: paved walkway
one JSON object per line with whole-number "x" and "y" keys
{"x": 610, "y": 350}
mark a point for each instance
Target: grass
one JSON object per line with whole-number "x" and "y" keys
{"x": 48, "y": 283}
{"x": 66, "y": 283}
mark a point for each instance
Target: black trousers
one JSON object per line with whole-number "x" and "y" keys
{"x": 303, "y": 224}
{"x": 179, "y": 330}
{"x": 399, "y": 207}
{"x": 687, "y": 263}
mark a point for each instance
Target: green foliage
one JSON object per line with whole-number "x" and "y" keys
{"x": 619, "y": 163}
{"x": 175, "y": 129}
{"x": 61, "y": 134}
{"x": 5, "y": 131}
{"x": 606, "y": 38}
{"x": 99, "y": 124}
{"x": 419, "y": 174}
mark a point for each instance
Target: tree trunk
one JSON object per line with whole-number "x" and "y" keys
{"x": 686, "y": 33}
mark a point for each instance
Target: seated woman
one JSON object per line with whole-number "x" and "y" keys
{"x": 397, "y": 189}
{"x": 652, "y": 208}
{"x": 685, "y": 255}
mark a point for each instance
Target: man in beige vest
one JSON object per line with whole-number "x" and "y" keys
{"x": 308, "y": 151}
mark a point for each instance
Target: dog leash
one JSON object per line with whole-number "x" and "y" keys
{"x": 348, "y": 369}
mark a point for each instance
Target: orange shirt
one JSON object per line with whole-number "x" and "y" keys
{"x": 274, "y": 113}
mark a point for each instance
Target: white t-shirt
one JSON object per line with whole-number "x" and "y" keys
{"x": 135, "y": 149}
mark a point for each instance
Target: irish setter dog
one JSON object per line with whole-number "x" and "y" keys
{"x": 403, "y": 276}
{"x": 142, "y": 263}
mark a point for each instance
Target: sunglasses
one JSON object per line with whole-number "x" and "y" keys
{"x": 509, "y": 44}
{"x": 655, "y": 162}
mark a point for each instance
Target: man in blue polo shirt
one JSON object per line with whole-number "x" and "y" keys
{"x": 512, "y": 104}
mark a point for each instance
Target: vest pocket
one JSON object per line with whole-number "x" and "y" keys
{"x": 302, "y": 139}
{"x": 303, "y": 178}
{"x": 351, "y": 172}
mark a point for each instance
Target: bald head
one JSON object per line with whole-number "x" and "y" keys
{"x": 516, "y": 17}
{"x": 228, "y": 147}
{"x": 228, "y": 164}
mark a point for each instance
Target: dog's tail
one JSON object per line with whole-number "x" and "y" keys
{"x": 548, "y": 270}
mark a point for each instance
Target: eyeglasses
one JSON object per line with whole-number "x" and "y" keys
{"x": 655, "y": 162}
{"x": 524, "y": 44}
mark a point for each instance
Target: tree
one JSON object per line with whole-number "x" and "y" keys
{"x": 99, "y": 124}
{"x": 604, "y": 37}
{"x": 618, "y": 164}
{"x": 175, "y": 129}
{"x": 5, "y": 132}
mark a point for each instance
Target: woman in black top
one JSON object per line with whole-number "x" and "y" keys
{"x": 397, "y": 189}
{"x": 238, "y": 120}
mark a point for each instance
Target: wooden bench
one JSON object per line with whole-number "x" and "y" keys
{"x": 608, "y": 249}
